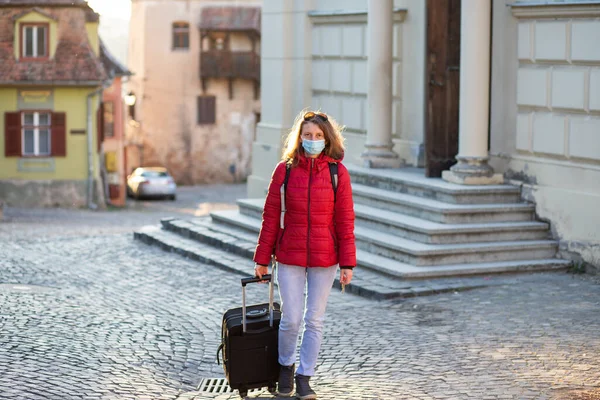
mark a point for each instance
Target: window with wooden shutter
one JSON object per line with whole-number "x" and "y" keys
{"x": 207, "y": 110}
{"x": 12, "y": 134}
{"x": 59, "y": 134}
{"x": 36, "y": 131}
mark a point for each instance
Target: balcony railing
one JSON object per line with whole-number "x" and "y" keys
{"x": 230, "y": 64}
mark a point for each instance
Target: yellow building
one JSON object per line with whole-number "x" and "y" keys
{"x": 51, "y": 77}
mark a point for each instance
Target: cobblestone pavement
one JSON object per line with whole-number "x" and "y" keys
{"x": 87, "y": 312}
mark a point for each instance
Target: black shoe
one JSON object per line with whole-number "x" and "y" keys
{"x": 286, "y": 380}
{"x": 303, "y": 390}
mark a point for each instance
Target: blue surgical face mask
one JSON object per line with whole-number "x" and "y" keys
{"x": 313, "y": 147}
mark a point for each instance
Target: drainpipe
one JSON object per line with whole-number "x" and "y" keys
{"x": 90, "y": 147}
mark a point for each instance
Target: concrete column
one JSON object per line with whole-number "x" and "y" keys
{"x": 378, "y": 153}
{"x": 472, "y": 167}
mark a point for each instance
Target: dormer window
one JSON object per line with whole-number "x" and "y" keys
{"x": 34, "y": 40}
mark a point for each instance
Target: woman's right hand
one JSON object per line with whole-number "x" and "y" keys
{"x": 260, "y": 270}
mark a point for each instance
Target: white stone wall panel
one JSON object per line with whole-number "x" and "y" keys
{"x": 321, "y": 74}
{"x": 551, "y": 40}
{"x": 352, "y": 113}
{"x": 548, "y": 134}
{"x": 585, "y": 41}
{"x": 524, "y": 132}
{"x": 331, "y": 40}
{"x": 595, "y": 89}
{"x": 532, "y": 87}
{"x": 331, "y": 104}
{"x": 353, "y": 40}
{"x": 397, "y": 79}
{"x": 584, "y": 138}
{"x": 316, "y": 41}
{"x": 397, "y": 42}
{"x": 341, "y": 76}
{"x": 359, "y": 77}
{"x": 568, "y": 88}
{"x": 524, "y": 41}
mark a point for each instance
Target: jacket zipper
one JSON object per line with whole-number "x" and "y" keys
{"x": 280, "y": 239}
{"x": 312, "y": 162}
{"x": 333, "y": 238}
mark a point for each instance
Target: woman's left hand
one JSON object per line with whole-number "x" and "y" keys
{"x": 345, "y": 276}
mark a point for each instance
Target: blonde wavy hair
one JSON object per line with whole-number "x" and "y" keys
{"x": 334, "y": 141}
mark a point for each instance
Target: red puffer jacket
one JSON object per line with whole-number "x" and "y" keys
{"x": 318, "y": 231}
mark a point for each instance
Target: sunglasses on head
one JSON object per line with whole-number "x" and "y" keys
{"x": 311, "y": 115}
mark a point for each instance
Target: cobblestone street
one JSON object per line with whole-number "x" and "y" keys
{"x": 87, "y": 312}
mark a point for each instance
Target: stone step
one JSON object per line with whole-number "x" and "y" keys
{"x": 365, "y": 283}
{"x": 242, "y": 243}
{"x": 438, "y": 211}
{"x": 425, "y": 231}
{"x": 421, "y": 254}
{"x": 406, "y": 180}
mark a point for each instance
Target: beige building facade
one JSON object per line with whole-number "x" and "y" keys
{"x": 529, "y": 114}
{"x": 196, "y": 82}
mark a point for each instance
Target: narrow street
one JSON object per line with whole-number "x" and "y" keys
{"x": 87, "y": 312}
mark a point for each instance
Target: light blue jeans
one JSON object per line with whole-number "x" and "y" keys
{"x": 295, "y": 303}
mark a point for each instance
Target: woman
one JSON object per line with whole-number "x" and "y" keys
{"x": 310, "y": 239}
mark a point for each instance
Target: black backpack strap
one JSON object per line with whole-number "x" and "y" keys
{"x": 333, "y": 171}
{"x": 288, "y": 167}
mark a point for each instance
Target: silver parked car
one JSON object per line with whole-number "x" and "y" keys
{"x": 151, "y": 182}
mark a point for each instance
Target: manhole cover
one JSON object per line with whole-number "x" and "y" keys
{"x": 19, "y": 288}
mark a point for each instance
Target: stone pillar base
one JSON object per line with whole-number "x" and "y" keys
{"x": 472, "y": 171}
{"x": 380, "y": 157}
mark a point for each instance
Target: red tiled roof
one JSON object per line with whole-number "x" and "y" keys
{"x": 37, "y": 10}
{"x": 73, "y": 62}
{"x": 91, "y": 15}
{"x": 230, "y": 19}
{"x": 41, "y": 2}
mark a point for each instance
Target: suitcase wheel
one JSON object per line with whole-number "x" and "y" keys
{"x": 243, "y": 393}
{"x": 272, "y": 388}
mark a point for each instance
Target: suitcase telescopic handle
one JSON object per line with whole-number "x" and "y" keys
{"x": 254, "y": 279}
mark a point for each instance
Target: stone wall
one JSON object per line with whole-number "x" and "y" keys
{"x": 545, "y": 115}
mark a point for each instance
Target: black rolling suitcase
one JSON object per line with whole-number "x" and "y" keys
{"x": 249, "y": 337}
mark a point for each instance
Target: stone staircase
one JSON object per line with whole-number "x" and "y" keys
{"x": 414, "y": 235}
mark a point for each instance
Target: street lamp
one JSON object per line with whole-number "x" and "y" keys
{"x": 130, "y": 99}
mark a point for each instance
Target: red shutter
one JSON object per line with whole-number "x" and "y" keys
{"x": 58, "y": 141}
{"x": 12, "y": 134}
{"x": 100, "y": 125}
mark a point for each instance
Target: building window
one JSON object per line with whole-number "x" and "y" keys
{"x": 109, "y": 119}
{"x": 206, "y": 110}
{"x": 34, "y": 41}
{"x": 181, "y": 35}
{"x": 36, "y": 133}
